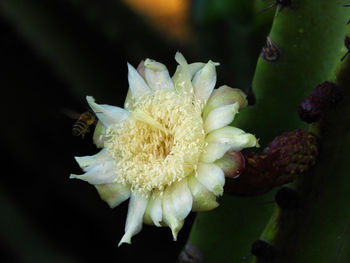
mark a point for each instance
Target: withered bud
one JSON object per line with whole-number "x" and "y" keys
{"x": 323, "y": 97}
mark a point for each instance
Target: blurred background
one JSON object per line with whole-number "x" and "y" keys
{"x": 53, "y": 54}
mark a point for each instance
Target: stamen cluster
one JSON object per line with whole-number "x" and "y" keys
{"x": 160, "y": 144}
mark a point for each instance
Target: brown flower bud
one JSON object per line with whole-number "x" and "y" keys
{"x": 257, "y": 178}
{"x": 295, "y": 151}
{"x": 286, "y": 156}
{"x": 323, "y": 97}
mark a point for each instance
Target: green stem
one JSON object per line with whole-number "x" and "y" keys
{"x": 319, "y": 230}
{"x": 309, "y": 35}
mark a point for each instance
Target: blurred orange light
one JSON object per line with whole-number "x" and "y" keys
{"x": 170, "y": 16}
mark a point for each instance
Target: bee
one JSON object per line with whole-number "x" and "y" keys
{"x": 81, "y": 126}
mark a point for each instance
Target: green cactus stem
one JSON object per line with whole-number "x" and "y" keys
{"x": 309, "y": 35}
{"x": 319, "y": 230}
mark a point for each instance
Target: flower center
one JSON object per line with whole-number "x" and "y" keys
{"x": 160, "y": 144}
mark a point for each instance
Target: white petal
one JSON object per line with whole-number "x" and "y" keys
{"x": 107, "y": 114}
{"x": 137, "y": 84}
{"x": 129, "y": 101}
{"x": 236, "y": 138}
{"x": 154, "y": 209}
{"x": 220, "y": 117}
{"x": 137, "y": 207}
{"x": 103, "y": 173}
{"x": 177, "y": 204}
{"x": 212, "y": 177}
{"x": 114, "y": 193}
{"x": 141, "y": 69}
{"x": 224, "y": 95}
{"x": 157, "y": 76}
{"x": 99, "y": 136}
{"x": 193, "y": 68}
{"x": 204, "y": 81}
{"x": 86, "y": 162}
{"x": 214, "y": 151}
{"x": 203, "y": 199}
{"x": 182, "y": 80}
{"x": 228, "y": 138}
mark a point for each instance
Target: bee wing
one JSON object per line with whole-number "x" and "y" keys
{"x": 70, "y": 113}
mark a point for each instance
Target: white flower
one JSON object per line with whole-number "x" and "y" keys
{"x": 160, "y": 151}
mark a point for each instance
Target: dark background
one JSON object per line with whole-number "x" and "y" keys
{"x": 53, "y": 54}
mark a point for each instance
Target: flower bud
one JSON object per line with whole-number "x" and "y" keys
{"x": 295, "y": 151}
{"x": 257, "y": 178}
{"x": 232, "y": 163}
{"x": 288, "y": 155}
{"x": 323, "y": 97}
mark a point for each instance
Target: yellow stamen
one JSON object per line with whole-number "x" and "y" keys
{"x": 144, "y": 117}
{"x": 160, "y": 144}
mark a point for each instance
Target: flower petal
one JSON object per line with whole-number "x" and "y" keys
{"x": 212, "y": 177}
{"x": 129, "y": 101}
{"x": 98, "y": 174}
{"x": 99, "y": 136}
{"x": 153, "y": 214}
{"x": 204, "y": 81}
{"x": 141, "y": 69}
{"x": 88, "y": 162}
{"x": 236, "y": 138}
{"x": 137, "y": 207}
{"x": 203, "y": 199}
{"x": 224, "y": 95}
{"x": 193, "y": 68}
{"x": 107, "y": 114}
{"x": 182, "y": 82}
{"x": 177, "y": 204}
{"x": 137, "y": 84}
{"x": 220, "y": 117}
{"x": 214, "y": 151}
{"x": 228, "y": 138}
{"x": 157, "y": 75}
{"x": 114, "y": 193}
